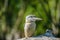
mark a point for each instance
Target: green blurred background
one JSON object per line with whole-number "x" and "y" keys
{"x": 13, "y": 13}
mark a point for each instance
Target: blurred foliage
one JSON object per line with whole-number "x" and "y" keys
{"x": 13, "y": 13}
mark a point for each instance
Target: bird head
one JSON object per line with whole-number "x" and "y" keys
{"x": 32, "y": 18}
{"x": 49, "y": 31}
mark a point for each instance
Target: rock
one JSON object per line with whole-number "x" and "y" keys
{"x": 38, "y": 38}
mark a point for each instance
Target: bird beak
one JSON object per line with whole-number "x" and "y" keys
{"x": 37, "y": 18}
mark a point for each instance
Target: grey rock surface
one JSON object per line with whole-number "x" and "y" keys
{"x": 38, "y": 38}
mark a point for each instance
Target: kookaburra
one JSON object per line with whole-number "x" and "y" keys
{"x": 30, "y": 25}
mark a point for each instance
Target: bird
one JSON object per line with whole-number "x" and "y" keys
{"x": 30, "y": 25}
{"x": 47, "y": 34}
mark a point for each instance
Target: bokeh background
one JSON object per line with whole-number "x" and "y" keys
{"x": 13, "y": 13}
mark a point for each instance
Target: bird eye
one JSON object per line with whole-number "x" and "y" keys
{"x": 31, "y": 16}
